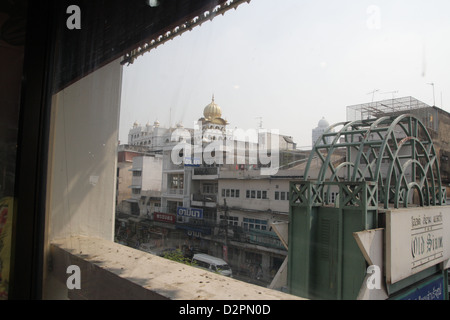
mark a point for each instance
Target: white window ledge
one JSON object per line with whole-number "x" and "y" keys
{"x": 110, "y": 271}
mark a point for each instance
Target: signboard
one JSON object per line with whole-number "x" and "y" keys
{"x": 195, "y": 234}
{"x": 416, "y": 239}
{"x": 429, "y": 290}
{"x": 194, "y": 231}
{"x": 192, "y": 162}
{"x": 164, "y": 217}
{"x": 190, "y": 212}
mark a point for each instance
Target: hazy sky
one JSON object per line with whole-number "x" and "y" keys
{"x": 292, "y": 62}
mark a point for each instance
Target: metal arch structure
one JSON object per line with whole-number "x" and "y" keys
{"x": 396, "y": 153}
{"x": 373, "y": 166}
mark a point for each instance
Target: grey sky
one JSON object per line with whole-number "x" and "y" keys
{"x": 292, "y": 62}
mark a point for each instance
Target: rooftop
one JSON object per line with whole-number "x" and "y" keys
{"x": 376, "y": 109}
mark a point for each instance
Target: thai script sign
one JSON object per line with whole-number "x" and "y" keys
{"x": 192, "y": 162}
{"x": 163, "y": 217}
{"x": 429, "y": 290}
{"x": 416, "y": 239}
{"x": 190, "y": 212}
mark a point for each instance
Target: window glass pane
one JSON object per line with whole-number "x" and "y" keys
{"x": 11, "y": 66}
{"x": 115, "y": 128}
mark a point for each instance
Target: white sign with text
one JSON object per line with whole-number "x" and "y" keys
{"x": 416, "y": 239}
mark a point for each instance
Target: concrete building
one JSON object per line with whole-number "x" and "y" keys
{"x": 217, "y": 201}
{"x": 249, "y": 204}
{"x": 152, "y": 136}
{"x": 138, "y": 178}
{"x": 124, "y": 175}
{"x": 231, "y": 204}
{"x": 145, "y": 184}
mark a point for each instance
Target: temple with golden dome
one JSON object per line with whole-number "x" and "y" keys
{"x": 213, "y": 125}
{"x": 212, "y": 116}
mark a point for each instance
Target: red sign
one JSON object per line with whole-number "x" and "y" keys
{"x": 163, "y": 217}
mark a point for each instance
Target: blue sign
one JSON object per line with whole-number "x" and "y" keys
{"x": 192, "y": 162}
{"x": 190, "y": 212}
{"x": 429, "y": 290}
{"x": 196, "y": 231}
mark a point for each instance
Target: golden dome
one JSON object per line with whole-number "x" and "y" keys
{"x": 212, "y": 111}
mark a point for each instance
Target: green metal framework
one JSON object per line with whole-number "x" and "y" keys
{"x": 395, "y": 152}
{"x": 372, "y": 164}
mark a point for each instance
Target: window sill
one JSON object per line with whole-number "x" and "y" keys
{"x": 110, "y": 271}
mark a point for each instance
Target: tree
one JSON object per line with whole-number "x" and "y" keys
{"x": 177, "y": 255}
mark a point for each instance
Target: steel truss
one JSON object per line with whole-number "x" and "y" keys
{"x": 394, "y": 153}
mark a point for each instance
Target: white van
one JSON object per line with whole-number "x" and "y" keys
{"x": 213, "y": 264}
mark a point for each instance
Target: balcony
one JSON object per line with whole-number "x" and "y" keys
{"x": 174, "y": 192}
{"x": 169, "y": 166}
{"x": 204, "y": 200}
{"x": 113, "y": 271}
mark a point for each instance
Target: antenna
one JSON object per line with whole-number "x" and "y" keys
{"x": 434, "y": 97}
{"x": 392, "y": 92}
{"x": 373, "y": 93}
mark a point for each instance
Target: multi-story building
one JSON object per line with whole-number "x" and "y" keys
{"x": 153, "y": 136}
{"x": 217, "y": 201}
{"x": 249, "y": 204}
{"x": 146, "y": 183}
{"x": 124, "y": 164}
{"x": 138, "y": 182}
{"x": 214, "y": 195}
{"x": 124, "y": 196}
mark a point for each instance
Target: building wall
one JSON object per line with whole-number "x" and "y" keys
{"x": 123, "y": 181}
{"x": 127, "y": 156}
{"x": 152, "y": 177}
{"x": 151, "y": 172}
{"x": 442, "y": 145}
{"x": 256, "y": 188}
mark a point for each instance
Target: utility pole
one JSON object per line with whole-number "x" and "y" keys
{"x": 434, "y": 97}
{"x": 225, "y": 248}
